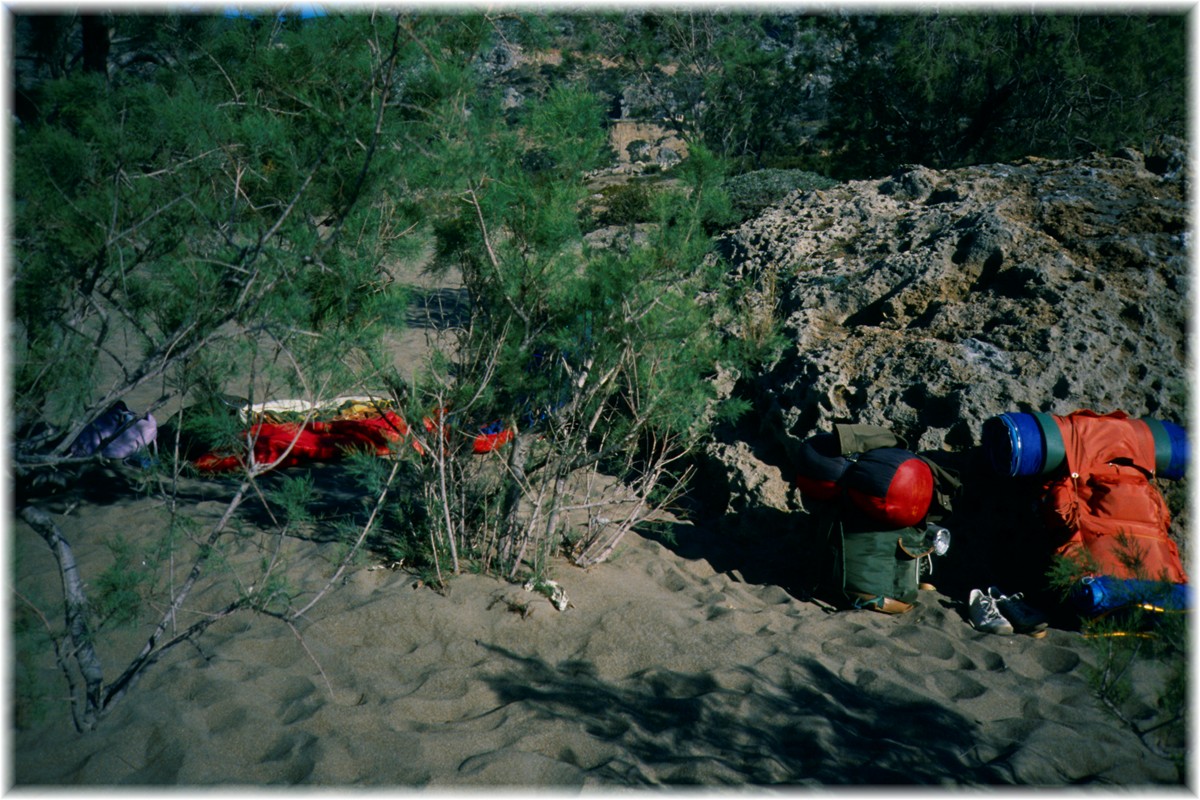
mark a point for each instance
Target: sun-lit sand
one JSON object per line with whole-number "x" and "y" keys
{"x": 667, "y": 668}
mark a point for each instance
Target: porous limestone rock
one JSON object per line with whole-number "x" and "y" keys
{"x": 932, "y": 300}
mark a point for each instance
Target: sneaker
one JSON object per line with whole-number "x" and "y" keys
{"x": 985, "y": 616}
{"x": 1024, "y": 618}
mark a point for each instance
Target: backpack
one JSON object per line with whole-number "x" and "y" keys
{"x": 117, "y": 433}
{"x": 863, "y": 566}
{"x": 1102, "y": 510}
{"x": 870, "y": 497}
{"x": 1099, "y": 504}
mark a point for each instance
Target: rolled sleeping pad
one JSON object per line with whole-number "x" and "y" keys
{"x": 1171, "y": 449}
{"x": 820, "y": 465}
{"x": 1100, "y": 593}
{"x": 1021, "y": 445}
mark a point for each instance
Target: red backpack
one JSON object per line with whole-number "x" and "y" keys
{"x": 1104, "y": 506}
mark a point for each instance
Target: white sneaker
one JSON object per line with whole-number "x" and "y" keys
{"x": 985, "y": 616}
{"x": 1024, "y": 618}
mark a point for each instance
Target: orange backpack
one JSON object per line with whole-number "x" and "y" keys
{"x": 1104, "y": 507}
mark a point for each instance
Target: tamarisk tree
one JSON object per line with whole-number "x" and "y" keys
{"x": 592, "y": 359}
{"x": 221, "y": 215}
{"x": 216, "y": 215}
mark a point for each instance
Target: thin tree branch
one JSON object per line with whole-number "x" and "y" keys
{"x": 76, "y": 612}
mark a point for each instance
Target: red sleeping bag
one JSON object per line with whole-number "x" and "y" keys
{"x": 890, "y": 485}
{"x": 820, "y": 465}
{"x": 315, "y": 441}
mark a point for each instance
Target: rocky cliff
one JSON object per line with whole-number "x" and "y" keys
{"x": 933, "y": 300}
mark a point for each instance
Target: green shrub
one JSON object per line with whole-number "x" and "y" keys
{"x": 627, "y": 204}
{"x": 751, "y": 192}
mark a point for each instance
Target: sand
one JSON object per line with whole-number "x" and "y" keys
{"x": 684, "y": 660}
{"x": 668, "y": 668}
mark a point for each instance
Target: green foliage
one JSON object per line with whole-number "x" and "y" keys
{"x": 294, "y": 496}
{"x": 601, "y": 355}
{"x": 752, "y": 192}
{"x": 273, "y": 594}
{"x": 703, "y": 208}
{"x": 250, "y": 174}
{"x": 1065, "y": 573}
{"x": 31, "y": 692}
{"x": 626, "y": 204}
{"x": 732, "y": 409}
{"x": 568, "y": 126}
{"x": 748, "y": 91}
{"x": 226, "y": 220}
{"x": 402, "y": 534}
{"x": 223, "y": 213}
{"x": 946, "y": 90}
{"x": 121, "y": 590}
{"x": 662, "y": 530}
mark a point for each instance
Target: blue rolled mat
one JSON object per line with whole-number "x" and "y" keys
{"x": 1100, "y": 593}
{"x": 1018, "y": 444}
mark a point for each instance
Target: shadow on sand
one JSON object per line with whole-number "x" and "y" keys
{"x": 687, "y": 728}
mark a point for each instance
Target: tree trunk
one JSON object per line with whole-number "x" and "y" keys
{"x": 96, "y": 43}
{"x": 510, "y": 511}
{"x": 76, "y": 617}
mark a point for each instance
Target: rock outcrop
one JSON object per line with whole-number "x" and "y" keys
{"x": 933, "y": 300}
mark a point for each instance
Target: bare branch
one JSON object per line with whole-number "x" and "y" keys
{"x": 362, "y": 537}
{"x": 148, "y": 654}
{"x": 76, "y": 612}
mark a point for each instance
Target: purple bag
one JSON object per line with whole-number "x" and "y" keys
{"x": 105, "y": 434}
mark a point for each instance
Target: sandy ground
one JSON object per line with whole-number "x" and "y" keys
{"x": 668, "y": 668}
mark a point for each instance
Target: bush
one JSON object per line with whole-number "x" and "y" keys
{"x": 627, "y": 204}
{"x": 751, "y": 192}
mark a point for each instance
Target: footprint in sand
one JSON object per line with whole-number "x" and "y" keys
{"x": 223, "y": 718}
{"x": 165, "y": 757}
{"x": 442, "y": 684}
{"x": 849, "y": 643}
{"x": 993, "y": 661}
{"x": 708, "y": 597}
{"x": 774, "y": 596}
{"x": 1056, "y": 660}
{"x": 925, "y": 641}
{"x": 741, "y": 680}
{"x": 297, "y": 703}
{"x": 298, "y": 754}
{"x": 954, "y": 685}
{"x": 672, "y": 581}
{"x": 716, "y": 612}
{"x": 856, "y": 673}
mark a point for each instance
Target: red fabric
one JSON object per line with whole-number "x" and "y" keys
{"x": 891, "y": 486}
{"x": 1105, "y": 504}
{"x": 316, "y": 441}
{"x": 487, "y": 442}
{"x": 816, "y": 488}
{"x": 820, "y": 465}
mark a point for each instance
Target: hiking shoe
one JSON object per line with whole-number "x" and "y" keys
{"x": 1024, "y": 618}
{"x": 985, "y": 616}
